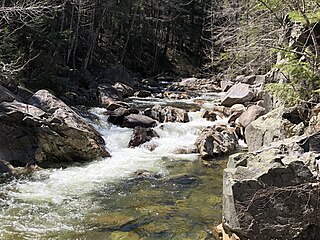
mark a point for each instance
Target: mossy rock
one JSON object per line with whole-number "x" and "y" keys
{"x": 118, "y": 235}
{"x": 157, "y": 227}
{"x": 157, "y": 210}
{"x": 112, "y": 220}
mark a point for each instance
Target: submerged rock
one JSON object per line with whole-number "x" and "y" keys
{"x": 113, "y": 221}
{"x": 145, "y": 174}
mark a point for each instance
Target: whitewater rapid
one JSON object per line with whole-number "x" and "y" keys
{"x": 53, "y": 200}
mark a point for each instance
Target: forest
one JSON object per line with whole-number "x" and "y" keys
{"x": 44, "y": 39}
{"x": 150, "y": 36}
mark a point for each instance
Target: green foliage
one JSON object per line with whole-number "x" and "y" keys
{"x": 284, "y": 92}
{"x": 302, "y": 79}
{"x": 312, "y": 17}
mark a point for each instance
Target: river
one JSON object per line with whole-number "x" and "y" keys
{"x": 178, "y": 197}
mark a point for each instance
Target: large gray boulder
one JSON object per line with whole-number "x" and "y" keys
{"x": 46, "y": 131}
{"x": 216, "y": 141}
{"x": 273, "y": 193}
{"x": 270, "y": 128}
{"x": 238, "y": 93}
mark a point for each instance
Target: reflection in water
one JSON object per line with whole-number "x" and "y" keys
{"x": 174, "y": 197}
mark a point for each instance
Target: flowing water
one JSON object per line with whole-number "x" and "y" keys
{"x": 178, "y": 197}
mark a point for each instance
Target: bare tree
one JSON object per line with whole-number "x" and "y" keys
{"x": 14, "y": 16}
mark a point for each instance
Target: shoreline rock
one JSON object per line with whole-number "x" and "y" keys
{"x": 45, "y": 130}
{"x": 266, "y": 192}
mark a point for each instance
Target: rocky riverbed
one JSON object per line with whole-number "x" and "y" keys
{"x": 146, "y": 163}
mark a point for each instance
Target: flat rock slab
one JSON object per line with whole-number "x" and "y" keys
{"x": 238, "y": 93}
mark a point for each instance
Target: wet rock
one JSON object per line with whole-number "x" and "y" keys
{"x": 210, "y": 115}
{"x": 151, "y": 82}
{"x": 144, "y": 174}
{"x": 266, "y": 193}
{"x": 113, "y": 221}
{"x": 117, "y": 116}
{"x": 151, "y": 146}
{"x": 238, "y": 93}
{"x": 251, "y": 114}
{"x": 143, "y": 93}
{"x": 184, "y": 179}
{"x": 185, "y": 150}
{"x": 141, "y": 135}
{"x": 5, "y": 167}
{"x": 267, "y": 129}
{"x": 136, "y": 120}
{"x": 167, "y": 114}
{"x": 216, "y": 141}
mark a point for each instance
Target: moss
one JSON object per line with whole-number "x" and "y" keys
{"x": 112, "y": 220}
{"x": 118, "y": 235}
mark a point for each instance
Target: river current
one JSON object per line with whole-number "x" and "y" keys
{"x": 177, "y": 197}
